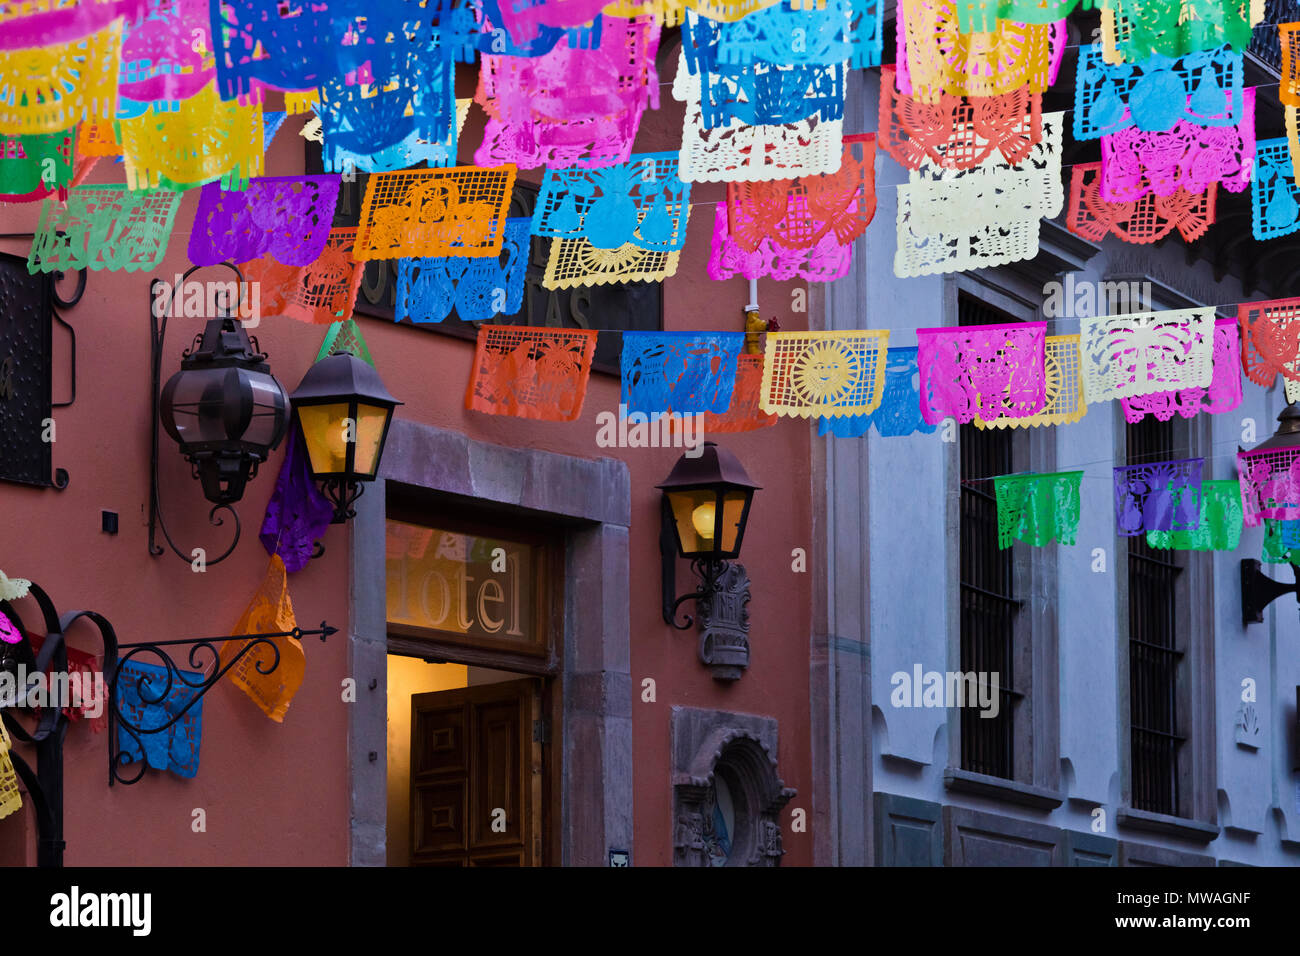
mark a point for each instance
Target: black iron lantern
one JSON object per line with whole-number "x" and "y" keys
{"x": 343, "y": 411}
{"x": 225, "y": 409}
{"x": 704, "y": 512}
{"x": 1258, "y": 590}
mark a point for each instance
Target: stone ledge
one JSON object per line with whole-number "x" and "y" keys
{"x": 1194, "y": 830}
{"x": 1012, "y": 791}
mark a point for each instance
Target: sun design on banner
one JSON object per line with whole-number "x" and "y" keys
{"x": 52, "y": 88}
{"x": 824, "y": 374}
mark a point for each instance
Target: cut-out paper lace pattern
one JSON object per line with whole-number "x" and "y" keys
{"x": 11, "y": 798}
{"x": 842, "y": 30}
{"x": 670, "y": 12}
{"x": 105, "y": 228}
{"x": 1038, "y": 509}
{"x": 152, "y": 697}
{"x": 575, "y": 262}
{"x": 537, "y": 118}
{"x": 1192, "y": 157}
{"x": 538, "y": 40}
{"x": 32, "y": 167}
{"x": 536, "y": 373}
{"x": 203, "y": 140}
{"x": 1141, "y": 353}
{"x": 957, "y": 132}
{"x": 641, "y": 202}
{"x": 1161, "y": 496}
{"x": 97, "y": 139}
{"x": 36, "y": 23}
{"x": 899, "y": 412}
{"x": 921, "y": 252}
{"x": 319, "y": 293}
{"x": 163, "y": 58}
{"x": 411, "y": 151}
{"x": 286, "y": 217}
{"x": 1270, "y": 485}
{"x": 52, "y": 88}
{"x": 680, "y": 372}
{"x": 1220, "y": 521}
{"x": 269, "y": 612}
{"x": 1204, "y": 88}
{"x": 1143, "y": 220}
{"x": 934, "y": 57}
{"x": 745, "y": 412}
{"x": 1274, "y": 198}
{"x": 1063, "y": 383}
{"x": 1222, "y": 395}
{"x": 298, "y": 514}
{"x": 824, "y": 262}
{"x": 478, "y": 289}
{"x": 458, "y": 211}
{"x": 987, "y": 371}
{"x": 1131, "y": 30}
{"x": 1270, "y": 340}
{"x": 824, "y": 374}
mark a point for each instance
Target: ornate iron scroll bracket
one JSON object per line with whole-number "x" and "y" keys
{"x": 159, "y": 309}
{"x": 45, "y": 784}
{"x": 204, "y": 652}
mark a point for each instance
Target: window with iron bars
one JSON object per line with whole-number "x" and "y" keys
{"x": 1155, "y": 655}
{"x": 989, "y": 606}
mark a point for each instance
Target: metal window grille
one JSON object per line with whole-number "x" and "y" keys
{"x": 1154, "y": 654}
{"x": 988, "y": 603}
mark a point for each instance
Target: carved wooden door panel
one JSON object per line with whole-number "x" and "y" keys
{"x": 476, "y": 776}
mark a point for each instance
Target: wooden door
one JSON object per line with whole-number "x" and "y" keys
{"x": 476, "y": 776}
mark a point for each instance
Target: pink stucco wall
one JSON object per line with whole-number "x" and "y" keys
{"x": 278, "y": 793}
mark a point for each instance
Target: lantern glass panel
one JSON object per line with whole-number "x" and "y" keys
{"x": 733, "y": 512}
{"x": 371, "y": 421}
{"x": 694, "y": 514}
{"x": 198, "y": 406}
{"x": 269, "y": 402}
{"x": 324, "y": 432}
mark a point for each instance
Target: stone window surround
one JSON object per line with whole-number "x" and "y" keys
{"x": 593, "y": 498}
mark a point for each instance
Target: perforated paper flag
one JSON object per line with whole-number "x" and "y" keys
{"x": 982, "y": 16}
{"x": 1141, "y": 353}
{"x": 899, "y": 412}
{"x": 924, "y": 252}
{"x": 1274, "y": 210}
{"x": 163, "y": 58}
{"x": 1204, "y": 88}
{"x": 32, "y": 167}
{"x": 522, "y": 18}
{"x": 411, "y": 151}
{"x": 986, "y": 371}
{"x": 1063, "y": 383}
{"x": 1191, "y": 157}
{"x": 319, "y": 293}
{"x": 740, "y": 152}
{"x": 537, "y": 40}
{"x": 103, "y": 227}
{"x": 1288, "y": 90}
{"x": 479, "y": 289}
{"x": 934, "y": 57}
{"x": 1270, "y": 340}
{"x": 537, "y": 373}
{"x": 1131, "y": 30}
{"x": 460, "y": 211}
{"x": 535, "y": 117}
{"x": 670, "y": 12}
{"x": 151, "y": 697}
{"x": 681, "y": 372}
{"x": 202, "y": 140}
{"x": 1038, "y": 509}
{"x": 576, "y": 262}
{"x": 745, "y": 412}
{"x": 824, "y": 262}
{"x": 641, "y": 202}
{"x": 269, "y": 612}
{"x": 824, "y": 374}
{"x": 1161, "y": 496}
{"x": 97, "y": 139}
{"x": 35, "y": 23}
{"x": 842, "y": 30}
{"x": 1270, "y": 485}
{"x": 1222, "y": 395}
{"x": 1220, "y": 522}
{"x": 957, "y": 132}
{"x": 770, "y": 95}
{"x": 1144, "y": 220}
{"x": 54, "y": 87}
{"x": 11, "y": 798}
{"x": 286, "y": 217}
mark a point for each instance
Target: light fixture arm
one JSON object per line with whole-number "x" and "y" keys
{"x": 709, "y": 571}
{"x": 158, "y": 328}
{"x": 1258, "y": 590}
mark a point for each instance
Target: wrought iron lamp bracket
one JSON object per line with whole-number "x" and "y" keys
{"x": 1258, "y": 590}
{"x": 158, "y": 314}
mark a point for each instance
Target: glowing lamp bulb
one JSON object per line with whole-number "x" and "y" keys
{"x": 703, "y": 518}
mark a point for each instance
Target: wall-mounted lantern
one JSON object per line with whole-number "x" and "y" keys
{"x": 224, "y": 408}
{"x": 1258, "y": 590}
{"x": 343, "y": 411}
{"x": 704, "y": 512}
